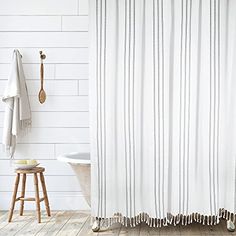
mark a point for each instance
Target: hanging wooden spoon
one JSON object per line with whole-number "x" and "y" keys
{"x": 42, "y": 93}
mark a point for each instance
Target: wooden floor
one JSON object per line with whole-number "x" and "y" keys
{"x": 69, "y": 223}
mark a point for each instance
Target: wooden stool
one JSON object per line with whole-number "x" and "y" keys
{"x": 37, "y": 199}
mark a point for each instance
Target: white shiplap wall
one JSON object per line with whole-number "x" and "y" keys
{"x": 60, "y": 29}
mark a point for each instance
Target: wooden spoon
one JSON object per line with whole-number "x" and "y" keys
{"x": 42, "y": 93}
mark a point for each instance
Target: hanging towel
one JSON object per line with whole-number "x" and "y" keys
{"x": 17, "y": 114}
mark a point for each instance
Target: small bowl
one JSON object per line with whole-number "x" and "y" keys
{"x": 25, "y": 166}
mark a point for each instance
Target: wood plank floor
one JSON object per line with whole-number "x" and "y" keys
{"x": 70, "y": 223}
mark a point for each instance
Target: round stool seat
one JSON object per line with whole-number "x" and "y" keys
{"x": 30, "y": 171}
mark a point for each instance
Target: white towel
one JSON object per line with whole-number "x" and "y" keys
{"x": 17, "y": 114}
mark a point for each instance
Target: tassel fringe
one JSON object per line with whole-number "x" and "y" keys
{"x": 168, "y": 220}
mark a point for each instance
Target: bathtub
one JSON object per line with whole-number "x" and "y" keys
{"x": 81, "y": 164}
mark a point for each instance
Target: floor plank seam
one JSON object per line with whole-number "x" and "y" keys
{"x": 65, "y": 224}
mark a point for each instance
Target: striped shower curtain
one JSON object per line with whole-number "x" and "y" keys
{"x": 163, "y": 111}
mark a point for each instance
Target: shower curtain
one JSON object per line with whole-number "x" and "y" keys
{"x": 163, "y": 111}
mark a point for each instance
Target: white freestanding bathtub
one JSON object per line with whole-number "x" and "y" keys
{"x": 81, "y": 164}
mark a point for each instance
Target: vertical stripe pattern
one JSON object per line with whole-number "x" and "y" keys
{"x": 98, "y": 113}
{"x": 154, "y": 108}
{"x": 101, "y": 108}
{"x": 214, "y": 105}
{"x": 129, "y": 116}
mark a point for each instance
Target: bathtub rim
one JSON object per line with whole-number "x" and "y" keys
{"x": 70, "y": 158}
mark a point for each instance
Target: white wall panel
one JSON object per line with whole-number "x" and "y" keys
{"x": 45, "y": 39}
{"x": 83, "y": 87}
{"x": 54, "y": 88}
{"x": 31, "y": 151}
{"x": 74, "y": 23}
{"x": 60, "y": 119}
{"x": 57, "y": 103}
{"x": 42, "y": 7}
{"x": 1, "y": 118}
{"x": 55, "y": 135}
{"x": 32, "y": 71}
{"x": 79, "y": 71}
{"x": 51, "y": 87}
{"x": 54, "y": 55}
{"x": 30, "y": 23}
{"x": 60, "y": 103}
{"x": 83, "y": 7}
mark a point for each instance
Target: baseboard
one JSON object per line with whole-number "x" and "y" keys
{"x": 57, "y": 200}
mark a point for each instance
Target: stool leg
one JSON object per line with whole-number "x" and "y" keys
{"x": 45, "y": 194}
{"x": 14, "y": 197}
{"x": 22, "y": 195}
{"x": 37, "y": 197}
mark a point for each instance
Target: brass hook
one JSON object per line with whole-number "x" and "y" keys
{"x": 42, "y": 56}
